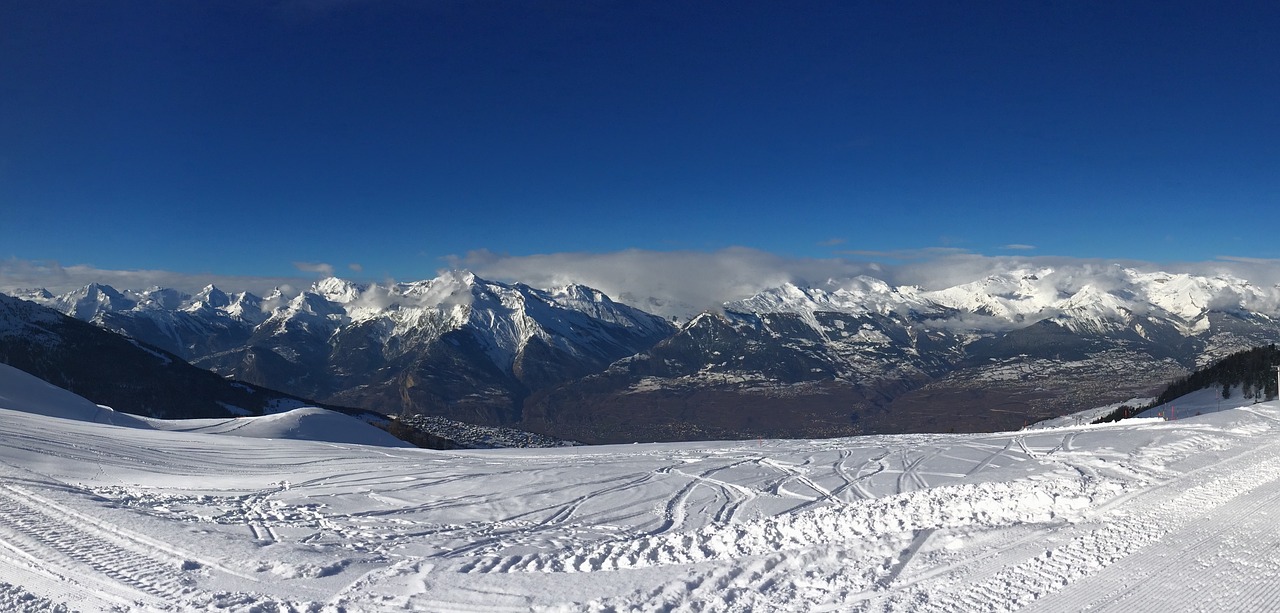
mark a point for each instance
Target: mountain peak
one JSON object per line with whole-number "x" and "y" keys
{"x": 94, "y": 299}
{"x": 213, "y": 297}
{"x": 337, "y": 290}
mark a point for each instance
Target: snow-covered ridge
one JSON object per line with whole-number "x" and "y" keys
{"x": 1096, "y": 301}
{"x": 1080, "y": 299}
{"x": 1222, "y": 311}
{"x": 508, "y": 316}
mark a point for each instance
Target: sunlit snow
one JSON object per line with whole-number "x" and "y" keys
{"x": 1145, "y": 515}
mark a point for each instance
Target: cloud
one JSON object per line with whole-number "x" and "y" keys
{"x": 355, "y": 267}
{"x": 320, "y": 268}
{"x": 961, "y": 268}
{"x": 679, "y": 283}
{"x": 1248, "y": 260}
{"x": 832, "y": 242}
{"x": 16, "y": 274}
{"x": 1018, "y": 247}
{"x": 664, "y": 282}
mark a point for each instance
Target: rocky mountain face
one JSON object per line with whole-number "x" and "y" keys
{"x": 455, "y": 346}
{"x": 858, "y": 356}
{"x": 122, "y": 372}
{"x": 865, "y": 357}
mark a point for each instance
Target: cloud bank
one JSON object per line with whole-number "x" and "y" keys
{"x": 676, "y": 283}
{"x": 16, "y": 274}
{"x": 665, "y": 282}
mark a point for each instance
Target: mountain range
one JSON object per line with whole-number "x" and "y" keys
{"x": 122, "y": 372}
{"x": 835, "y": 358}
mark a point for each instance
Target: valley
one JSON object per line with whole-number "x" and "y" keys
{"x": 857, "y": 356}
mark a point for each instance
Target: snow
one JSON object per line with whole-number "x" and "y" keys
{"x": 1089, "y": 416}
{"x": 23, "y": 392}
{"x": 1083, "y": 299}
{"x": 1143, "y": 515}
{"x": 164, "y": 359}
{"x": 1199, "y": 403}
{"x": 308, "y": 424}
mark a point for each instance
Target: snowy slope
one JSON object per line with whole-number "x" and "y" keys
{"x": 1141, "y": 516}
{"x": 23, "y": 392}
{"x": 20, "y": 391}
{"x": 304, "y": 424}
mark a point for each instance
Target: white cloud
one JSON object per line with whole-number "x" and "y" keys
{"x": 320, "y": 268}
{"x": 1018, "y": 247}
{"x": 1248, "y": 260}
{"x": 674, "y": 282}
{"x": 355, "y": 267}
{"x": 18, "y": 274}
{"x": 663, "y": 282}
{"x": 957, "y": 269}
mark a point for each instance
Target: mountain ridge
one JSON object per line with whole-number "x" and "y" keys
{"x": 868, "y": 354}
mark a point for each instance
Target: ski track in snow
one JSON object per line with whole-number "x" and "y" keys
{"x": 113, "y": 561}
{"x": 1146, "y": 516}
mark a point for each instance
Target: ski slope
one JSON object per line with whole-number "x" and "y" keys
{"x": 1145, "y": 515}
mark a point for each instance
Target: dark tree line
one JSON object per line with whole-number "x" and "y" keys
{"x": 1253, "y": 369}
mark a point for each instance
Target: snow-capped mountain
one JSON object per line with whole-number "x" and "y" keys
{"x": 1081, "y": 303}
{"x": 864, "y": 356}
{"x": 456, "y": 345}
{"x": 121, "y": 372}
{"x": 858, "y": 355}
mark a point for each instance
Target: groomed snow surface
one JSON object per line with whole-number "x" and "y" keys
{"x": 1145, "y": 515}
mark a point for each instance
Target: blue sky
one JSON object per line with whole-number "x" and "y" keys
{"x": 242, "y": 137}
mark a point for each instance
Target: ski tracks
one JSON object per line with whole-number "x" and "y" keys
{"x": 1194, "y": 554}
{"x": 1031, "y": 570}
{"x": 793, "y": 472}
{"x": 256, "y": 517}
{"x": 856, "y": 482}
{"x": 991, "y": 458}
{"x": 103, "y": 561}
{"x": 910, "y": 478}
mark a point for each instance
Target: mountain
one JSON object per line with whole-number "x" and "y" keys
{"x": 21, "y": 391}
{"x": 866, "y": 357}
{"x": 186, "y": 326}
{"x": 797, "y": 360}
{"x": 121, "y": 372}
{"x": 456, "y": 346}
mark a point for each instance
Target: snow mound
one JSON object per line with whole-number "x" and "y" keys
{"x": 307, "y": 423}
{"x": 20, "y": 391}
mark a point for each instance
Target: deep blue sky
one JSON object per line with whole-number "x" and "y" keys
{"x": 240, "y": 137}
